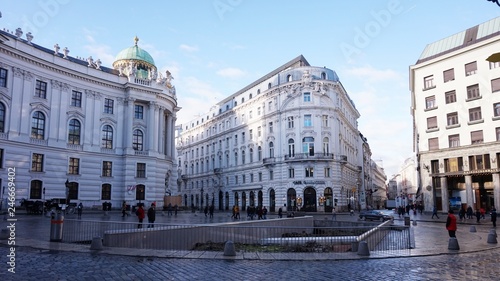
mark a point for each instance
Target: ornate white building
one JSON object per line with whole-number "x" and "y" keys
{"x": 289, "y": 139}
{"x": 455, "y": 95}
{"x": 73, "y": 128}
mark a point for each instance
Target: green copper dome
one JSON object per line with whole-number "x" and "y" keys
{"x": 135, "y": 53}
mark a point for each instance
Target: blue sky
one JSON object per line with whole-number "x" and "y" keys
{"x": 214, "y": 48}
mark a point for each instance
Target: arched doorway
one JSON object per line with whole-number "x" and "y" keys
{"x": 328, "y": 200}
{"x": 272, "y": 201}
{"x": 221, "y": 200}
{"x": 309, "y": 200}
{"x": 252, "y": 199}
{"x": 291, "y": 196}
{"x": 243, "y": 201}
{"x": 227, "y": 200}
{"x": 259, "y": 198}
{"x": 236, "y": 199}
{"x": 186, "y": 200}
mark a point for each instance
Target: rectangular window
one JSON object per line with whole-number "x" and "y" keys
{"x": 138, "y": 111}
{"x": 479, "y": 162}
{"x": 307, "y": 97}
{"x": 235, "y": 140}
{"x": 433, "y": 143}
{"x": 243, "y": 137}
{"x": 452, "y": 165}
{"x": 496, "y": 109}
{"x": 473, "y": 91}
{"x": 430, "y": 102}
{"x": 307, "y": 120}
{"x": 74, "y": 166}
{"x": 258, "y": 111}
{"x": 250, "y": 134}
{"x": 454, "y": 141}
{"x": 140, "y": 170}
{"x": 251, "y": 177}
{"x": 270, "y": 105}
{"x": 260, "y": 176}
{"x": 291, "y": 173}
{"x": 37, "y": 162}
{"x": 495, "y": 85}
{"x": 448, "y": 75}
{"x": 107, "y": 168}
{"x": 108, "y": 106}
{"x": 271, "y": 175}
{"x": 41, "y": 89}
{"x": 259, "y": 131}
{"x": 476, "y": 137}
{"x": 470, "y": 68}
{"x": 76, "y": 99}
{"x": 3, "y": 77}
{"x": 106, "y": 191}
{"x": 270, "y": 127}
{"x": 1, "y": 158}
{"x": 429, "y": 82}
{"x": 290, "y": 122}
{"x": 236, "y": 179}
{"x": 494, "y": 64}
{"x": 327, "y": 172}
{"x": 497, "y": 132}
{"x": 452, "y": 119}
{"x": 475, "y": 114}
{"x": 432, "y": 123}
{"x": 243, "y": 178}
{"x": 324, "y": 120}
{"x": 450, "y": 97}
{"x": 250, "y": 113}
{"x": 309, "y": 172}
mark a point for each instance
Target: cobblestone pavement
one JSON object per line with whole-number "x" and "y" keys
{"x": 33, "y": 264}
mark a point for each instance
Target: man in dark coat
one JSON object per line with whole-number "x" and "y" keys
{"x": 151, "y": 215}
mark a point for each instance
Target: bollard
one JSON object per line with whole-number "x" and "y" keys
{"x": 453, "y": 244}
{"x": 472, "y": 228}
{"x": 494, "y": 232}
{"x": 363, "y": 249}
{"x": 414, "y": 222}
{"x": 4, "y": 235}
{"x": 56, "y": 226}
{"x": 229, "y": 249}
{"x": 354, "y": 246}
{"x": 492, "y": 238}
{"x": 407, "y": 221}
{"x": 96, "y": 244}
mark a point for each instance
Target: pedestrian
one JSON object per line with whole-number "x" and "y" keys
{"x": 264, "y": 213}
{"x": 151, "y": 215}
{"x": 140, "y": 215}
{"x": 478, "y": 215}
{"x": 211, "y": 211}
{"x": 494, "y": 217}
{"x": 451, "y": 224}
{"x": 175, "y": 209}
{"x": 483, "y": 212}
{"x": 334, "y": 214}
{"x": 237, "y": 212}
{"x": 124, "y": 209}
{"x": 280, "y": 213}
{"x": 206, "y": 211}
{"x": 79, "y": 210}
{"x": 469, "y": 212}
{"x": 169, "y": 209}
{"x": 461, "y": 214}
{"x": 434, "y": 212}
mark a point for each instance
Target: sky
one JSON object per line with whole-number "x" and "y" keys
{"x": 213, "y": 48}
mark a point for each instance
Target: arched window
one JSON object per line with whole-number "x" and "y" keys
{"x": 74, "y": 132}
{"x": 138, "y": 140}
{"x": 269, "y": 86}
{"x": 291, "y": 148}
{"x": 38, "y": 125}
{"x": 289, "y": 78}
{"x": 323, "y": 75}
{"x": 2, "y": 118}
{"x": 236, "y": 158}
{"x": 308, "y": 146}
{"x": 243, "y": 157}
{"x": 271, "y": 149}
{"x": 326, "y": 145}
{"x": 250, "y": 96}
{"x": 107, "y": 137}
{"x": 106, "y": 191}
{"x": 36, "y": 189}
{"x": 251, "y": 155}
{"x": 259, "y": 153}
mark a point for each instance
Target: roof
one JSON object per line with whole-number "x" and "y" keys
{"x": 462, "y": 39}
{"x": 135, "y": 53}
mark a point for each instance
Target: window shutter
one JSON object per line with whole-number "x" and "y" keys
{"x": 476, "y": 136}
{"x": 449, "y": 75}
{"x": 495, "y": 85}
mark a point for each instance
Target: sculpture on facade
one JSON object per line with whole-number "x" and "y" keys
{"x": 56, "y": 49}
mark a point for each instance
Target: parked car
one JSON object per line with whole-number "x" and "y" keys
{"x": 375, "y": 215}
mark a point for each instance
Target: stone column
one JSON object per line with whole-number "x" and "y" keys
{"x": 444, "y": 194}
{"x": 129, "y": 119}
{"x": 161, "y": 129}
{"x": 496, "y": 190}
{"x": 168, "y": 136}
{"x": 469, "y": 192}
{"x": 151, "y": 126}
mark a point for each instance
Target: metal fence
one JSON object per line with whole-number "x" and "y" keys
{"x": 212, "y": 237}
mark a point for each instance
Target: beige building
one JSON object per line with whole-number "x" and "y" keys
{"x": 455, "y": 95}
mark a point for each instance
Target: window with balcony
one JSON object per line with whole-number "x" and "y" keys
{"x": 430, "y": 102}
{"x": 429, "y": 82}
{"x": 476, "y": 137}
{"x": 448, "y": 75}
{"x": 452, "y": 119}
{"x": 475, "y": 114}
{"x": 291, "y": 148}
{"x": 432, "y": 123}
{"x": 470, "y": 68}
{"x": 454, "y": 140}
{"x": 473, "y": 92}
{"x": 308, "y": 146}
{"x": 450, "y": 97}
{"x": 271, "y": 149}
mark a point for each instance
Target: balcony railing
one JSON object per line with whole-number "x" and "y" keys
{"x": 218, "y": 171}
{"x": 305, "y": 156}
{"x": 269, "y": 161}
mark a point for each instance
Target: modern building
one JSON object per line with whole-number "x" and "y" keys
{"x": 455, "y": 96}
{"x": 288, "y": 140}
{"x": 73, "y": 128}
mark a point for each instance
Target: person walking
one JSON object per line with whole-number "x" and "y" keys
{"x": 494, "y": 217}
{"x": 451, "y": 224}
{"x": 140, "y": 215}
{"x": 280, "y": 213}
{"x": 211, "y": 211}
{"x": 434, "y": 212}
{"x": 334, "y": 214}
{"x": 124, "y": 209}
{"x": 478, "y": 216}
{"x": 151, "y": 215}
{"x": 79, "y": 210}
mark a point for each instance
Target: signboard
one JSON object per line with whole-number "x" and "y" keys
{"x": 455, "y": 203}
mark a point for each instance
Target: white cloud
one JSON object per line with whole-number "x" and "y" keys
{"x": 187, "y": 48}
{"x": 231, "y": 72}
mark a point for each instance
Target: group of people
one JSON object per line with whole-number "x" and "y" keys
{"x": 141, "y": 214}
{"x": 451, "y": 220}
{"x": 209, "y": 211}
